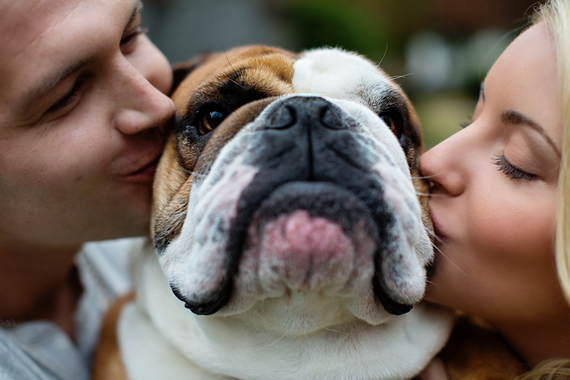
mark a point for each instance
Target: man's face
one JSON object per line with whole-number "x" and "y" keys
{"x": 81, "y": 109}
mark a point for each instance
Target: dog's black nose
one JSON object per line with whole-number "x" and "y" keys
{"x": 307, "y": 111}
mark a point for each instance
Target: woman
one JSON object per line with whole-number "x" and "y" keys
{"x": 501, "y": 197}
{"x": 82, "y": 109}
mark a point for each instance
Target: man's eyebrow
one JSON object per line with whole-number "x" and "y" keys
{"x": 515, "y": 118}
{"x": 41, "y": 90}
{"x": 46, "y": 86}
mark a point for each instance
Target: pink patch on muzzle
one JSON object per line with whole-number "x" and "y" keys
{"x": 304, "y": 252}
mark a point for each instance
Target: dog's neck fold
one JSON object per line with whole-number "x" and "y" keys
{"x": 238, "y": 349}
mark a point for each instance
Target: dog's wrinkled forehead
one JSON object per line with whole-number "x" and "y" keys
{"x": 232, "y": 85}
{"x": 347, "y": 76}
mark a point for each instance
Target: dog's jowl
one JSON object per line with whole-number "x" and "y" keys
{"x": 290, "y": 241}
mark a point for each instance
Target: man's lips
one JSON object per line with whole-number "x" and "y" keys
{"x": 150, "y": 166}
{"x": 139, "y": 164}
{"x": 145, "y": 172}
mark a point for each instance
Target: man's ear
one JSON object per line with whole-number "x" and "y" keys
{"x": 182, "y": 69}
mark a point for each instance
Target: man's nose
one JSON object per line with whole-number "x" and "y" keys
{"x": 144, "y": 105}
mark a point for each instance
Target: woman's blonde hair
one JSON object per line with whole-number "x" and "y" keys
{"x": 558, "y": 369}
{"x": 556, "y": 15}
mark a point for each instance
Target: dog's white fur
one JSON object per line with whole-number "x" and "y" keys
{"x": 344, "y": 336}
{"x": 158, "y": 346}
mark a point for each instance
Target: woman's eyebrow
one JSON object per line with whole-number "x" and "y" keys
{"x": 516, "y": 118}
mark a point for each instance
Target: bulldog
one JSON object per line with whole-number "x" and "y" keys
{"x": 290, "y": 231}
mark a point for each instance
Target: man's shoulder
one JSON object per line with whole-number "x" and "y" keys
{"x": 38, "y": 350}
{"x": 107, "y": 263}
{"x": 114, "y": 252}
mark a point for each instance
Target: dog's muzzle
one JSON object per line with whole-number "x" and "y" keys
{"x": 313, "y": 179}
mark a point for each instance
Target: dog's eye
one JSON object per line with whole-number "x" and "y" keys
{"x": 209, "y": 120}
{"x": 394, "y": 123}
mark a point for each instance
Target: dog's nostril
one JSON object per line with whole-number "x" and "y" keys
{"x": 307, "y": 112}
{"x": 331, "y": 119}
{"x": 284, "y": 118}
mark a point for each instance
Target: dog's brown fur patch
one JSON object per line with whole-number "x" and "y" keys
{"x": 263, "y": 70}
{"x": 108, "y": 363}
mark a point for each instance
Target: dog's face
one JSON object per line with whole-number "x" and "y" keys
{"x": 286, "y": 191}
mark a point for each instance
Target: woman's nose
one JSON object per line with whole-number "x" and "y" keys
{"x": 445, "y": 165}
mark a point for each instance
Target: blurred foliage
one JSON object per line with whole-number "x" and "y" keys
{"x": 382, "y": 31}
{"x": 440, "y": 50}
{"x": 367, "y": 27}
{"x": 443, "y": 114}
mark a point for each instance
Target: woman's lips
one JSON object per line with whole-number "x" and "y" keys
{"x": 440, "y": 236}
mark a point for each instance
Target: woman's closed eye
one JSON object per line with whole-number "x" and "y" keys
{"x": 511, "y": 170}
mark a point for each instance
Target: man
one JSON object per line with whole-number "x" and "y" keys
{"x": 82, "y": 108}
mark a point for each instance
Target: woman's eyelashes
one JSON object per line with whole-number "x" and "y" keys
{"x": 511, "y": 170}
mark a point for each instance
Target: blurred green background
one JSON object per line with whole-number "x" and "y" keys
{"x": 441, "y": 50}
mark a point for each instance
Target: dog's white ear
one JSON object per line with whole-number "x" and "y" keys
{"x": 182, "y": 69}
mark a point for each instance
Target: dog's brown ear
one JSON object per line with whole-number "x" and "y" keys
{"x": 182, "y": 69}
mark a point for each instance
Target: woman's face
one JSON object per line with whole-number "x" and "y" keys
{"x": 82, "y": 106}
{"x": 495, "y": 190}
